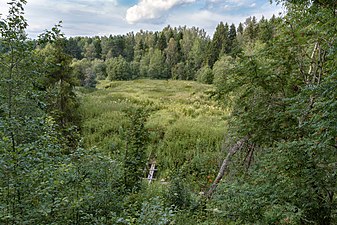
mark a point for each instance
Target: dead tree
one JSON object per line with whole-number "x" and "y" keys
{"x": 235, "y": 148}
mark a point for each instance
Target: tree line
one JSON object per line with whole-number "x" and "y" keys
{"x": 173, "y": 53}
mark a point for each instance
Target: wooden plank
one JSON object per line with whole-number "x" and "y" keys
{"x": 151, "y": 172}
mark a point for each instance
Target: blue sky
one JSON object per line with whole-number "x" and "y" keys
{"x": 104, "y": 17}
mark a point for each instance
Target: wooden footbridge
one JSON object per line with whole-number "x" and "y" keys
{"x": 152, "y": 170}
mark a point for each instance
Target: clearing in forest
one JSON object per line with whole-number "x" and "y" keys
{"x": 185, "y": 126}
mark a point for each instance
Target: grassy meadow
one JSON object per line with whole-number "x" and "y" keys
{"x": 185, "y": 127}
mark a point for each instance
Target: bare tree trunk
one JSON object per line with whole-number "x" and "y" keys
{"x": 249, "y": 156}
{"x": 318, "y": 58}
{"x": 238, "y": 145}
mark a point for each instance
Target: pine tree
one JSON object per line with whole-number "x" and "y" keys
{"x": 172, "y": 53}
{"x": 265, "y": 30}
{"x": 232, "y": 42}
{"x": 218, "y": 44}
{"x": 240, "y": 28}
{"x": 251, "y": 30}
{"x": 161, "y": 44}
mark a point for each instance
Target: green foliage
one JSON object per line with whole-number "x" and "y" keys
{"x": 220, "y": 70}
{"x": 157, "y": 69}
{"x": 20, "y": 164}
{"x": 118, "y": 69}
{"x": 80, "y": 69}
{"x": 279, "y": 82}
{"x": 99, "y": 69}
{"x": 154, "y": 211}
{"x": 218, "y": 44}
{"x": 266, "y": 29}
{"x": 205, "y": 75}
{"x": 172, "y": 53}
{"x": 89, "y": 51}
{"x": 73, "y": 48}
{"x": 279, "y": 94}
{"x": 184, "y": 129}
{"x": 22, "y": 122}
{"x": 39, "y": 183}
{"x": 86, "y": 71}
{"x": 62, "y": 103}
{"x": 184, "y": 126}
{"x": 232, "y": 44}
{"x": 178, "y": 194}
{"x": 196, "y": 55}
{"x": 90, "y": 80}
{"x": 180, "y": 72}
{"x": 135, "y": 152}
{"x": 252, "y": 29}
{"x": 176, "y": 53}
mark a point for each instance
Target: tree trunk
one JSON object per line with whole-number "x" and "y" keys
{"x": 225, "y": 163}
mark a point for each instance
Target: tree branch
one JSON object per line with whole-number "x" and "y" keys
{"x": 235, "y": 148}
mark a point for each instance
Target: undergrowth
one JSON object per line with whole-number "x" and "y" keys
{"x": 185, "y": 127}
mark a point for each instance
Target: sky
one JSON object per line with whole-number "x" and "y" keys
{"x": 105, "y": 17}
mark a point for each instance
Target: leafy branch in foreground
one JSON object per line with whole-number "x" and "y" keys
{"x": 281, "y": 94}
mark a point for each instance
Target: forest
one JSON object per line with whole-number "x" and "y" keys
{"x": 241, "y": 127}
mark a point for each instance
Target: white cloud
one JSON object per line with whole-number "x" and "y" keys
{"x": 150, "y": 10}
{"x": 208, "y": 19}
{"x": 225, "y": 6}
{"x": 204, "y": 19}
{"x": 104, "y": 17}
{"x": 253, "y": 5}
{"x": 68, "y": 6}
{"x": 80, "y": 17}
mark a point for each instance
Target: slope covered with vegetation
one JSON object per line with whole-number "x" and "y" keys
{"x": 185, "y": 127}
{"x": 71, "y": 153}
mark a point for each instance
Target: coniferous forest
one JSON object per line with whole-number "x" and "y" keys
{"x": 237, "y": 128}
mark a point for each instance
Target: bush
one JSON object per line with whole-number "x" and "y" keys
{"x": 154, "y": 211}
{"x": 118, "y": 69}
{"x": 205, "y": 75}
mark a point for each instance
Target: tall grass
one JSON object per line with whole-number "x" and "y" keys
{"x": 186, "y": 127}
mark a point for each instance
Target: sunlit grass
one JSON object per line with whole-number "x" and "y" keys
{"x": 184, "y": 123}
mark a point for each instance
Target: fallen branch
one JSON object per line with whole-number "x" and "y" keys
{"x": 235, "y": 148}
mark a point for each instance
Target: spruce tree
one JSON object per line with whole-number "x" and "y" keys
{"x": 218, "y": 44}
